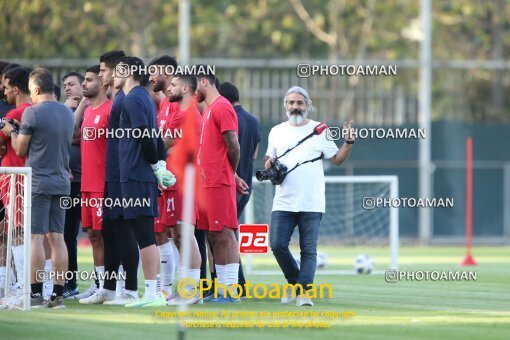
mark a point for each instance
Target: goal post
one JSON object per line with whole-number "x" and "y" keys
{"x": 16, "y": 191}
{"x": 346, "y": 220}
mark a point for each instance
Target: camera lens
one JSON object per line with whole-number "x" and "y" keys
{"x": 261, "y": 175}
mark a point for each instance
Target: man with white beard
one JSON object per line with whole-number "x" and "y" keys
{"x": 299, "y": 199}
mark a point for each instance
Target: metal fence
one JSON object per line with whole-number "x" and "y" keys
{"x": 463, "y": 92}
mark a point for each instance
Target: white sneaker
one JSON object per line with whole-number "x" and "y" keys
{"x": 88, "y": 293}
{"x": 303, "y": 300}
{"x": 100, "y": 296}
{"x": 289, "y": 295}
{"x": 148, "y": 301}
{"x": 187, "y": 301}
{"x": 172, "y": 296}
{"x": 166, "y": 291}
{"x": 124, "y": 299}
{"x": 15, "y": 302}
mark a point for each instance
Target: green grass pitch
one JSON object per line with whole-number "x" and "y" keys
{"x": 403, "y": 310}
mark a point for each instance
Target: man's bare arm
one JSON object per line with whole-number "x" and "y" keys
{"x": 233, "y": 148}
{"x": 342, "y": 154}
{"x": 20, "y": 144}
{"x": 78, "y": 114}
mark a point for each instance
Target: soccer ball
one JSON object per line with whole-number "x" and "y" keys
{"x": 363, "y": 264}
{"x": 322, "y": 260}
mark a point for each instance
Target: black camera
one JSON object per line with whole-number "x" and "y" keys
{"x": 12, "y": 121}
{"x": 276, "y": 173}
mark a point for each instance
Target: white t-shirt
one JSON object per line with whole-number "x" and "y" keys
{"x": 303, "y": 189}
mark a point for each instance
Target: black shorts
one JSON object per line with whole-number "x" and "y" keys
{"x": 142, "y": 229}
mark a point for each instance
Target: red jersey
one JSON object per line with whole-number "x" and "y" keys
{"x": 175, "y": 122}
{"x": 93, "y": 151}
{"x": 166, "y": 109}
{"x": 10, "y": 158}
{"x": 218, "y": 118}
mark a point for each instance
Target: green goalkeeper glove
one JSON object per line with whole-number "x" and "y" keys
{"x": 164, "y": 177}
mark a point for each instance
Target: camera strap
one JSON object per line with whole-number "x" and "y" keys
{"x": 317, "y": 130}
{"x": 308, "y": 161}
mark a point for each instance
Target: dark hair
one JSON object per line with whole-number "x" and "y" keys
{"x": 43, "y": 78}
{"x": 134, "y": 61}
{"x": 18, "y": 77}
{"x": 56, "y": 91}
{"x": 112, "y": 58}
{"x": 93, "y": 69}
{"x": 164, "y": 60}
{"x": 189, "y": 80}
{"x": 80, "y": 76}
{"x": 8, "y": 67}
{"x": 3, "y": 64}
{"x": 204, "y": 72}
{"x": 144, "y": 81}
{"x": 229, "y": 91}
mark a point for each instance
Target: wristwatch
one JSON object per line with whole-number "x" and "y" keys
{"x": 349, "y": 141}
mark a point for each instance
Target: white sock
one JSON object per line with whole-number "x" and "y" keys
{"x": 150, "y": 289}
{"x": 100, "y": 275}
{"x": 231, "y": 273}
{"x": 158, "y": 284}
{"x": 194, "y": 274}
{"x": 48, "y": 266}
{"x": 227, "y": 274}
{"x": 177, "y": 257}
{"x": 167, "y": 259}
{"x": 17, "y": 253}
{"x": 179, "y": 274}
{"x": 119, "y": 288}
{"x": 220, "y": 274}
{"x": 48, "y": 283}
{"x": 2, "y": 277}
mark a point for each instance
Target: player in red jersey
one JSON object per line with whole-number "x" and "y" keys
{"x": 168, "y": 254}
{"x": 15, "y": 84}
{"x": 218, "y": 158}
{"x": 181, "y": 90}
{"x": 93, "y": 160}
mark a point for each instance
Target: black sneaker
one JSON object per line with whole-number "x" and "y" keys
{"x": 37, "y": 302}
{"x": 57, "y": 303}
{"x": 70, "y": 293}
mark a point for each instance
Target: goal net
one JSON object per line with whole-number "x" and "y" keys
{"x": 351, "y": 225}
{"x": 15, "y": 191}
